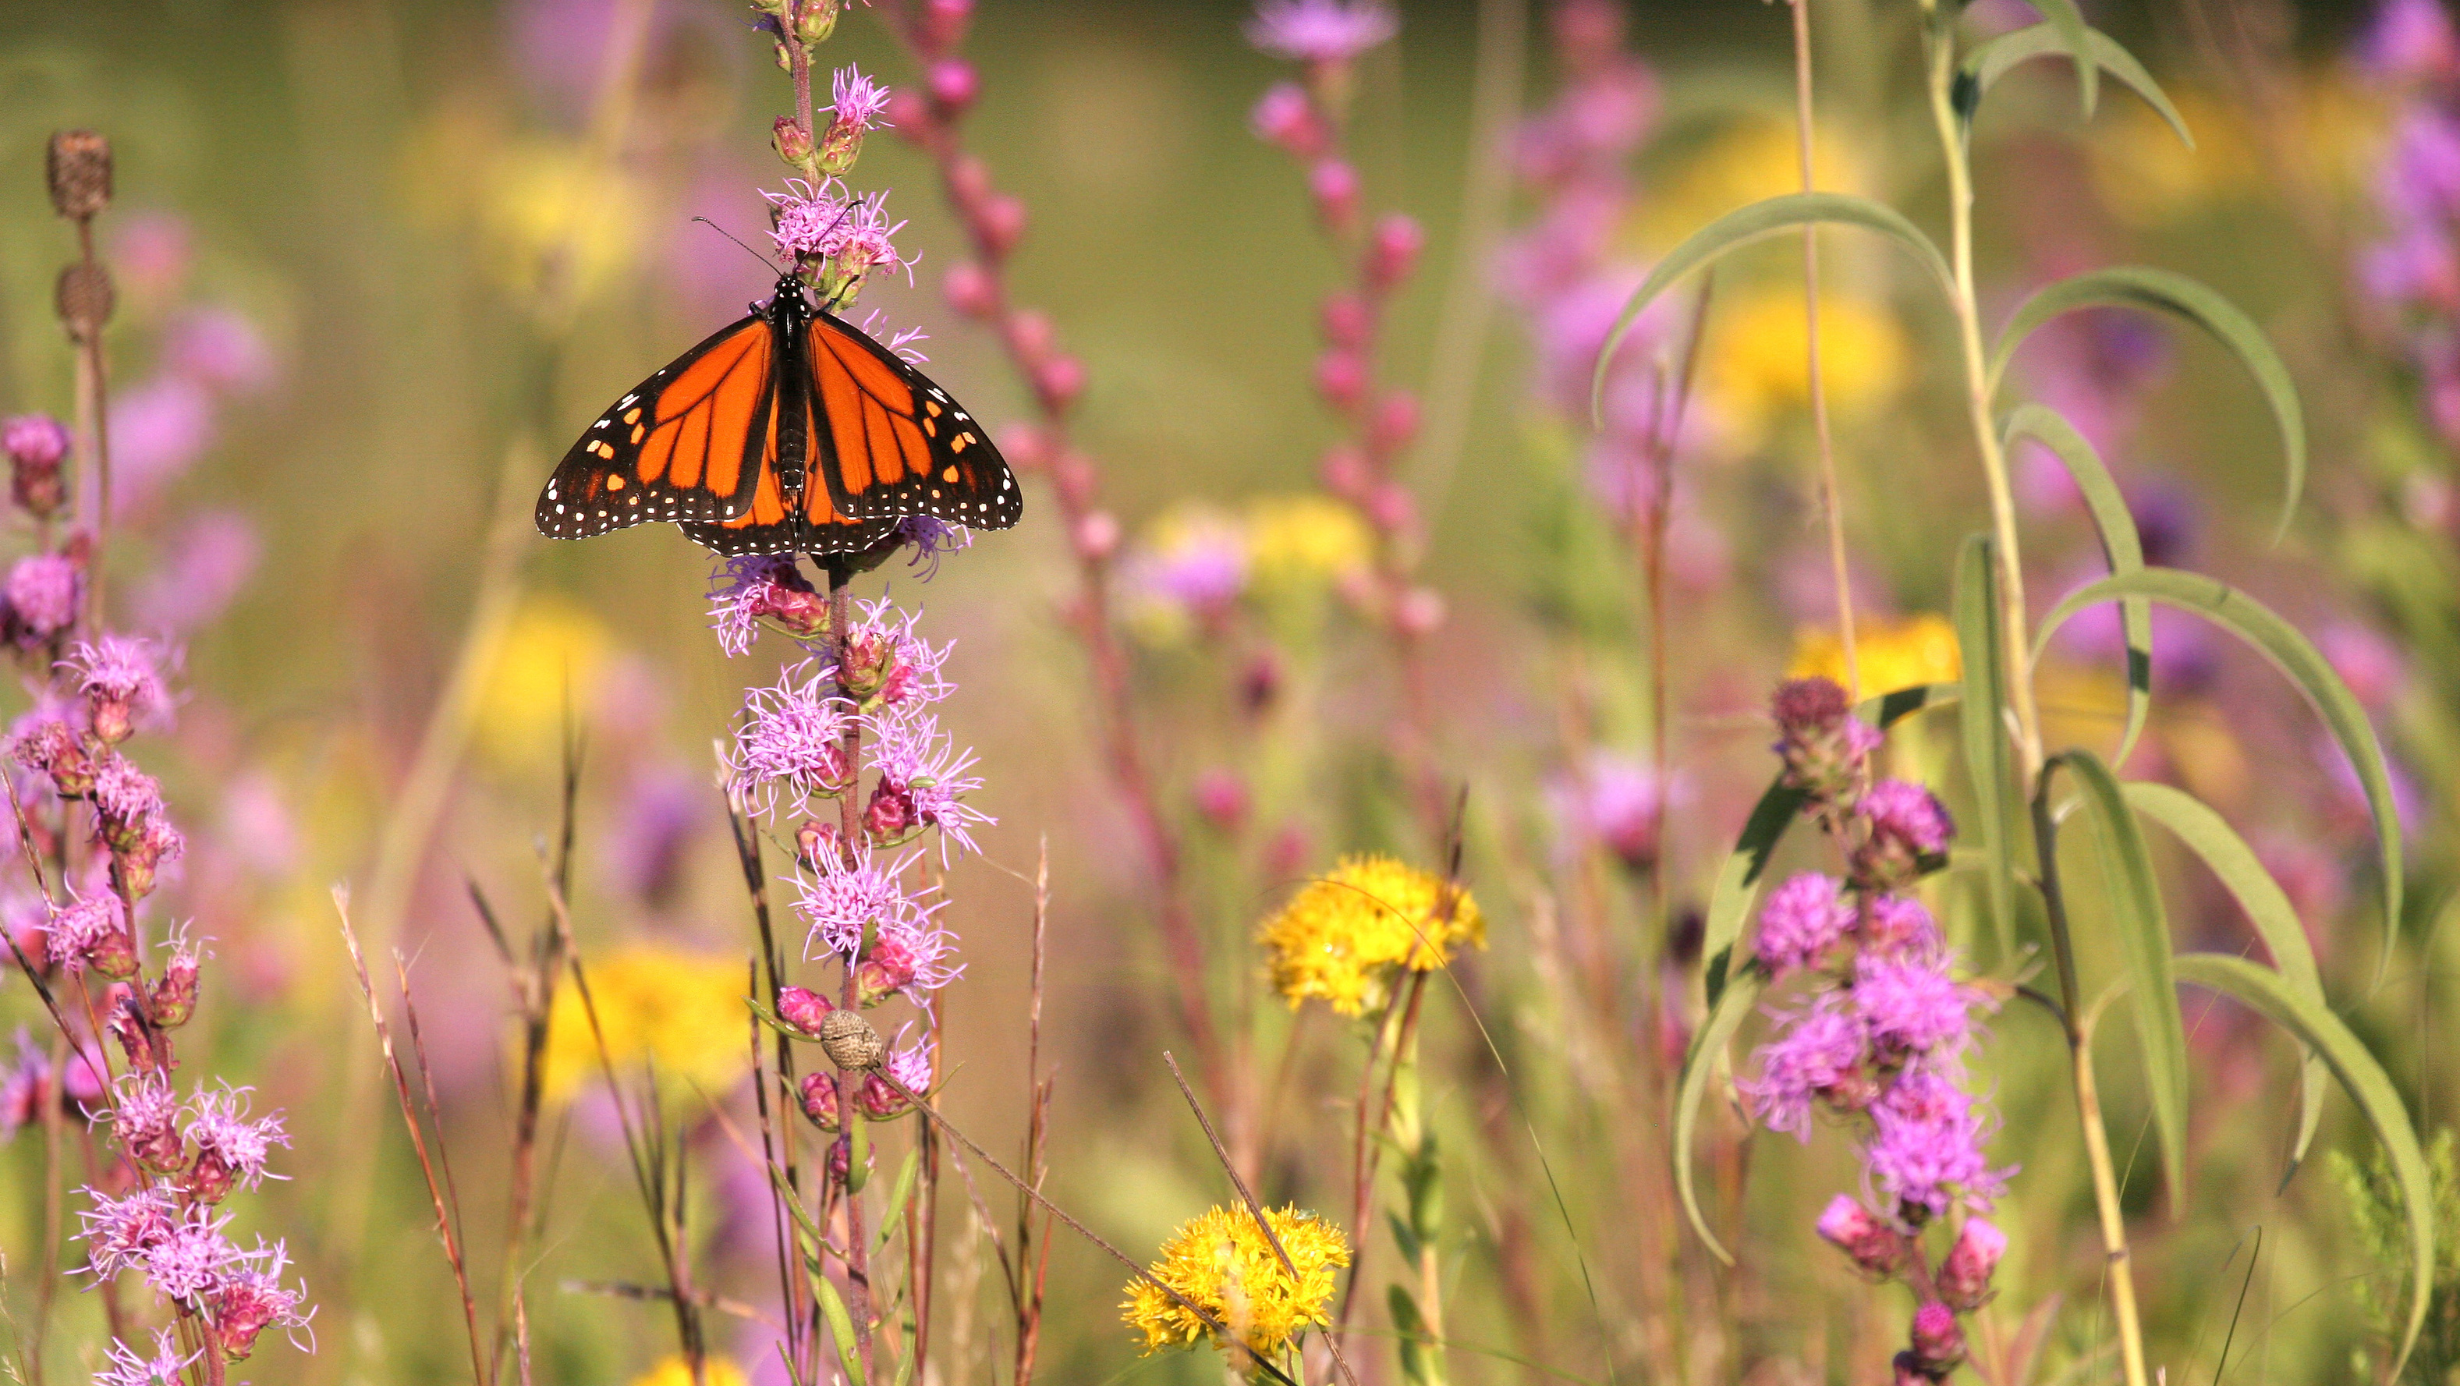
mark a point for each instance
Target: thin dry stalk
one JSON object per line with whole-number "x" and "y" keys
{"x": 1831, "y": 501}
{"x": 447, "y": 1215}
{"x": 1028, "y": 1302}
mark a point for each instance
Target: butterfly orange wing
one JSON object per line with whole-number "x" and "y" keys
{"x": 684, "y": 446}
{"x": 891, "y": 443}
{"x": 771, "y": 524}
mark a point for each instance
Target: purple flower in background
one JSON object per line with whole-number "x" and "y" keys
{"x": 1912, "y": 1008}
{"x": 42, "y": 596}
{"x": 1200, "y": 567}
{"x": 158, "y": 430}
{"x": 792, "y": 740}
{"x": 1802, "y": 920}
{"x": 34, "y": 440}
{"x": 1818, "y": 1049}
{"x": 128, "y": 1367}
{"x": 1615, "y": 802}
{"x": 843, "y": 901}
{"x": 1321, "y": 31}
{"x": 2411, "y": 41}
{"x": 1926, "y": 1148}
{"x": 219, "y": 348}
{"x": 655, "y": 825}
{"x": 205, "y": 566}
{"x": 2366, "y": 660}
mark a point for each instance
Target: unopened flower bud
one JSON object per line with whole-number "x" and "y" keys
{"x": 879, "y": 1101}
{"x": 1001, "y": 224}
{"x": 1286, "y": 117}
{"x": 818, "y": 21}
{"x": 1344, "y": 471}
{"x": 1964, "y": 1277}
{"x": 78, "y": 165}
{"x": 1877, "y": 1249}
{"x": 1221, "y": 796}
{"x": 36, "y": 443}
{"x": 791, "y": 142}
{"x": 1938, "y": 1343}
{"x": 886, "y": 973}
{"x": 1097, "y": 536}
{"x": 889, "y": 818}
{"x": 943, "y": 24}
{"x": 820, "y": 1100}
{"x": 1825, "y": 747}
{"x": 1392, "y": 507}
{"x": 210, "y": 1178}
{"x": 803, "y": 1009}
{"x": 1348, "y": 322}
{"x": 850, "y": 1042}
{"x": 1060, "y": 380}
{"x": 1419, "y": 613}
{"x": 173, "y": 1002}
{"x": 1393, "y": 252}
{"x": 1029, "y": 334}
{"x": 1395, "y": 425}
{"x": 816, "y": 844}
{"x": 971, "y": 290}
{"x": 1334, "y": 185}
{"x": 953, "y": 84}
{"x": 1341, "y": 377}
{"x": 148, "y": 1049}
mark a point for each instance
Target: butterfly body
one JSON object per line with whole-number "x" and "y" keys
{"x": 787, "y": 431}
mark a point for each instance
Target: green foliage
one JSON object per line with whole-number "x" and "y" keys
{"x": 1992, "y": 58}
{"x": 2120, "y": 545}
{"x": 1982, "y": 647}
{"x": 2372, "y": 1194}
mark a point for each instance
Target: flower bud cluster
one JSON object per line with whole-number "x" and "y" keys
{"x": 1880, "y": 1038}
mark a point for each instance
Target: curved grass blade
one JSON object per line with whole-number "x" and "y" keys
{"x": 1991, "y": 59}
{"x": 2267, "y": 906}
{"x": 1749, "y": 224}
{"x": 2140, "y": 286}
{"x": 1725, "y": 1016}
{"x": 1980, "y": 716}
{"x": 2315, "y": 1026}
{"x": 2144, "y": 941}
{"x": 1738, "y": 882}
{"x": 2291, "y": 653}
{"x": 2120, "y": 544}
{"x": 2068, "y": 23}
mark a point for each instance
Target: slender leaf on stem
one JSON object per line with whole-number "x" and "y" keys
{"x": 1738, "y": 882}
{"x": 2067, "y": 22}
{"x": 1992, "y": 58}
{"x": 2140, "y": 286}
{"x": 2267, "y": 906}
{"x": 1749, "y": 224}
{"x": 841, "y": 1323}
{"x": 2291, "y": 653}
{"x": 1725, "y": 1016}
{"x": 2121, "y": 545}
{"x": 2144, "y": 942}
{"x": 1982, "y": 716}
{"x": 2314, "y": 1025}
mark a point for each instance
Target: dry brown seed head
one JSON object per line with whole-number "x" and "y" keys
{"x": 78, "y": 166}
{"x": 84, "y": 299}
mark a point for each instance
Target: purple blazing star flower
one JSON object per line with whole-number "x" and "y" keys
{"x": 90, "y": 931}
{"x": 930, "y": 538}
{"x": 2411, "y": 40}
{"x": 1617, "y": 803}
{"x": 145, "y": 1119}
{"x": 907, "y": 957}
{"x": 859, "y": 101}
{"x": 187, "y": 1265}
{"x": 1897, "y": 925}
{"x": 219, "y": 348}
{"x": 745, "y": 592}
{"x": 1912, "y": 1008}
{"x": 1927, "y": 1146}
{"x": 205, "y": 567}
{"x": 121, "y": 1233}
{"x": 1818, "y": 1049}
{"x": 252, "y": 1299}
{"x": 34, "y": 440}
{"x": 893, "y": 666}
{"x": 921, "y": 766}
{"x": 42, "y": 596}
{"x": 1203, "y": 570}
{"x": 158, "y": 430}
{"x": 844, "y": 901}
{"x": 231, "y": 1149}
{"x": 811, "y": 222}
{"x": 1908, "y": 813}
{"x": 1321, "y": 31}
{"x": 125, "y": 794}
{"x": 127, "y": 1367}
{"x": 121, "y": 678}
{"x": 1875, "y": 1246}
{"x": 791, "y": 745}
{"x": 866, "y": 242}
{"x": 1802, "y": 920}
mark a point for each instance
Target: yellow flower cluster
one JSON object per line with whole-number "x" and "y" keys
{"x": 675, "y": 1371}
{"x": 1894, "y": 653}
{"x": 680, "y": 1012}
{"x": 1757, "y": 368}
{"x": 1223, "y": 1264}
{"x": 1341, "y": 938}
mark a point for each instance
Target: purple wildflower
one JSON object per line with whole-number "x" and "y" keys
{"x": 758, "y": 589}
{"x": 1899, "y": 925}
{"x": 1912, "y": 1008}
{"x": 1826, "y": 748}
{"x": 1817, "y": 1050}
{"x": 1876, "y": 1247}
{"x": 1618, "y": 803}
{"x": 42, "y": 597}
{"x": 127, "y": 1367}
{"x": 231, "y": 1149}
{"x": 923, "y": 783}
{"x": 145, "y": 1119}
{"x": 2412, "y": 40}
{"x": 843, "y": 902}
{"x": 205, "y": 567}
{"x": 911, "y": 1067}
{"x": 792, "y": 740}
{"x": 121, "y": 679}
{"x": 1321, "y": 31}
{"x": 92, "y": 931}
{"x": 1905, "y": 825}
{"x": 122, "y": 1233}
{"x": 124, "y": 794}
{"x": 1802, "y": 920}
{"x": 34, "y": 440}
{"x": 908, "y": 956}
{"x": 1201, "y": 569}
{"x": 859, "y": 101}
{"x": 158, "y": 430}
{"x": 1938, "y": 1342}
{"x": 220, "y": 348}
{"x": 187, "y": 1265}
{"x": 931, "y": 538}
{"x": 1926, "y": 1149}
{"x": 252, "y": 1298}
{"x": 889, "y": 663}
{"x": 866, "y": 240}
{"x": 811, "y": 221}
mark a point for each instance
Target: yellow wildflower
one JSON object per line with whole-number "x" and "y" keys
{"x": 549, "y": 657}
{"x": 1341, "y": 938}
{"x": 2147, "y": 176}
{"x": 1894, "y": 653}
{"x": 1305, "y": 539}
{"x": 1750, "y": 160}
{"x": 1758, "y": 369}
{"x": 674, "y": 1371}
{"x": 1223, "y": 1264}
{"x": 681, "y": 1012}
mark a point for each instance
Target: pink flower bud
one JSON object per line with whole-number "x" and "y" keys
{"x": 943, "y": 24}
{"x": 1334, "y": 185}
{"x": 1097, "y": 536}
{"x": 803, "y": 1009}
{"x": 35, "y": 444}
{"x": 1221, "y": 796}
{"x": 1348, "y": 321}
{"x": 1341, "y": 377}
{"x": 1001, "y": 224}
{"x": 1419, "y": 613}
{"x": 1396, "y": 423}
{"x": 1392, "y": 507}
{"x": 1286, "y": 117}
{"x": 953, "y": 84}
{"x": 1876, "y": 1248}
{"x": 790, "y": 141}
{"x": 971, "y": 290}
{"x": 1964, "y": 1277}
{"x": 1938, "y": 1343}
{"x": 879, "y": 1101}
{"x": 815, "y": 843}
{"x": 148, "y": 1049}
{"x": 1344, "y": 471}
{"x": 1026, "y": 447}
{"x": 889, "y": 817}
{"x": 1393, "y": 252}
{"x": 909, "y": 114}
{"x": 820, "y": 1100}
{"x": 1029, "y": 334}
{"x": 174, "y": 999}
{"x": 1059, "y": 382}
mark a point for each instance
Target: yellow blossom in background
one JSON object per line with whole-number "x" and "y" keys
{"x": 2147, "y": 176}
{"x": 1752, "y": 159}
{"x": 551, "y": 221}
{"x": 1221, "y": 1262}
{"x": 1341, "y": 938}
{"x": 1306, "y": 539}
{"x": 550, "y": 656}
{"x": 675, "y": 1371}
{"x": 682, "y": 1012}
{"x": 1756, "y": 369}
{"x": 1894, "y": 652}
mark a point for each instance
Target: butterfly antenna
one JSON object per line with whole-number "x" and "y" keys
{"x": 763, "y": 259}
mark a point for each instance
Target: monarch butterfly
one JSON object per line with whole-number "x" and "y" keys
{"x": 788, "y": 431}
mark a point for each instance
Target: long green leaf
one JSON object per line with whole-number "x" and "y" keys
{"x": 1750, "y": 223}
{"x": 2140, "y": 286}
{"x": 2318, "y": 1028}
{"x": 2266, "y": 905}
{"x": 1725, "y": 1016}
{"x": 898, "y": 1193}
{"x": 2291, "y": 653}
{"x": 2120, "y": 544}
{"x": 2144, "y": 941}
{"x": 841, "y": 1323}
{"x": 1738, "y": 882}
{"x": 1980, "y": 715}
{"x": 1992, "y": 58}
{"x": 2067, "y": 22}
